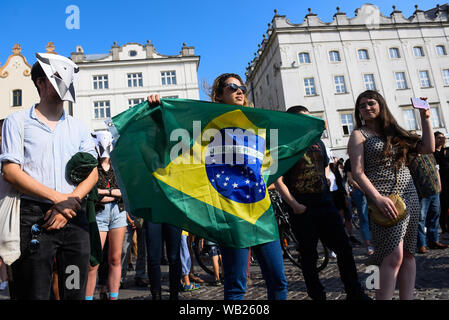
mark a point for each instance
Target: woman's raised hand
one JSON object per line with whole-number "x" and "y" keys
{"x": 424, "y": 113}
{"x": 154, "y": 100}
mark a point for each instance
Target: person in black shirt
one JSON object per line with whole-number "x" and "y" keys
{"x": 442, "y": 157}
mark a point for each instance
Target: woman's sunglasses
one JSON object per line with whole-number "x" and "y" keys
{"x": 235, "y": 87}
{"x": 369, "y": 103}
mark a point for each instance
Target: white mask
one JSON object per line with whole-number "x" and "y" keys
{"x": 103, "y": 143}
{"x": 61, "y": 72}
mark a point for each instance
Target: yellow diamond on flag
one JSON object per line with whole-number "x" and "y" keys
{"x": 226, "y": 170}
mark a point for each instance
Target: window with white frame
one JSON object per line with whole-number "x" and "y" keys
{"x": 134, "y": 101}
{"x": 334, "y": 56}
{"x": 401, "y": 82}
{"x": 424, "y": 79}
{"x": 394, "y": 53}
{"x": 441, "y": 50}
{"x": 309, "y": 86}
{"x": 418, "y": 52}
{"x": 168, "y": 77}
{"x": 435, "y": 117}
{"x": 410, "y": 119}
{"x": 304, "y": 57}
{"x": 135, "y": 80}
{"x": 369, "y": 81}
{"x": 347, "y": 122}
{"x": 102, "y": 109}
{"x": 100, "y": 82}
{"x": 340, "y": 86}
{"x": 363, "y": 54}
{"x": 446, "y": 77}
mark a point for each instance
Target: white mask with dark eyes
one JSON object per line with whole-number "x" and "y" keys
{"x": 61, "y": 72}
{"x": 103, "y": 143}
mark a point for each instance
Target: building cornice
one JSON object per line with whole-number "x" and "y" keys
{"x": 79, "y": 56}
{"x": 437, "y": 17}
{"x": 95, "y": 64}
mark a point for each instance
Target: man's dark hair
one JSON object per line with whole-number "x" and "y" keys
{"x": 297, "y": 109}
{"x": 436, "y": 133}
{"x": 36, "y": 73}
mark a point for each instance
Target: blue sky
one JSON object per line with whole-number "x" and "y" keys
{"x": 224, "y": 33}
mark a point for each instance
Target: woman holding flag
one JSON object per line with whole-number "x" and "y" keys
{"x": 228, "y": 89}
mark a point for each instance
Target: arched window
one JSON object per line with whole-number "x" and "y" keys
{"x": 441, "y": 50}
{"x": 418, "y": 52}
{"x": 304, "y": 57}
{"x": 363, "y": 54}
{"x": 334, "y": 56}
{"x": 394, "y": 53}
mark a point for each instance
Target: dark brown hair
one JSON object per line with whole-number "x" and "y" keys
{"x": 396, "y": 137}
{"x": 218, "y": 86}
{"x": 36, "y": 73}
{"x": 297, "y": 109}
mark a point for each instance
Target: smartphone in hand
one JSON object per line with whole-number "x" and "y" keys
{"x": 418, "y": 103}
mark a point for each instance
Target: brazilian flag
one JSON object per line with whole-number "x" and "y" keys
{"x": 205, "y": 167}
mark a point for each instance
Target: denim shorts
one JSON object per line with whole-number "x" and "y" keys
{"x": 111, "y": 217}
{"x": 214, "y": 251}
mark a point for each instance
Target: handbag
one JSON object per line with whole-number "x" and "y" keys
{"x": 379, "y": 217}
{"x": 10, "y": 218}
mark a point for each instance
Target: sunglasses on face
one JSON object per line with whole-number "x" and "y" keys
{"x": 35, "y": 232}
{"x": 369, "y": 103}
{"x": 235, "y": 87}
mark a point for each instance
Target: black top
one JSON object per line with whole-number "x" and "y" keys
{"x": 306, "y": 180}
{"x": 442, "y": 158}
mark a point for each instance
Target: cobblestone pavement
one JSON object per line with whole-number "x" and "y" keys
{"x": 432, "y": 281}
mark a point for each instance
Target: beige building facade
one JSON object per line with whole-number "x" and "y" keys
{"x": 17, "y": 90}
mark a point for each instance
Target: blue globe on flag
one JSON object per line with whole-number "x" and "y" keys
{"x": 234, "y": 165}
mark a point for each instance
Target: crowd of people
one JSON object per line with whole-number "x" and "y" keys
{"x": 322, "y": 193}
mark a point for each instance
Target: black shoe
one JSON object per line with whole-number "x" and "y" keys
{"x": 143, "y": 283}
{"x": 437, "y": 245}
{"x": 361, "y": 296}
{"x": 156, "y": 295}
{"x": 354, "y": 240}
{"x": 318, "y": 297}
{"x": 104, "y": 296}
{"x": 216, "y": 283}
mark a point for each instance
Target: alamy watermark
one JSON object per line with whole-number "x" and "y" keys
{"x": 230, "y": 146}
{"x": 72, "y": 281}
{"x": 372, "y": 281}
{"x": 370, "y": 15}
{"x": 73, "y": 20}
